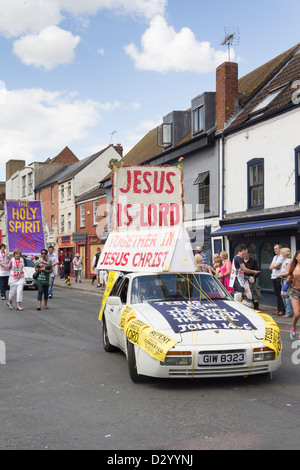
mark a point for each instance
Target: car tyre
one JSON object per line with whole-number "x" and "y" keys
{"x": 106, "y": 344}
{"x": 131, "y": 360}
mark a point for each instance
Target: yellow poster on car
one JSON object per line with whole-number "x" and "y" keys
{"x": 127, "y": 314}
{"x": 134, "y": 329}
{"x": 113, "y": 276}
{"x": 156, "y": 344}
{"x": 272, "y": 334}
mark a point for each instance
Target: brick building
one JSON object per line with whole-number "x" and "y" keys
{"x": 90, "y": 212}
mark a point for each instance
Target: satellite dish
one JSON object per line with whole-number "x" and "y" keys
{"x": 232, "y": 37}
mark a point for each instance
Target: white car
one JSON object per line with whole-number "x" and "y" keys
{"x": 29, "y": 269}
{"x": 210, "y": 334}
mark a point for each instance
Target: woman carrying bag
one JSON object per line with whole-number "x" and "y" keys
{"x": 43, "y": 267}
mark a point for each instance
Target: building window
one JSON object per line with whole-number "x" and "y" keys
{"x": 198, "y": 120}
{"x": 52, "y": 194}
{"x": 69, "y": 222}
{"x": 255, "y": 183}
{"x": 62, "y": 193}
{"x": 30, "y": 183}
{"x": 69, "y": 190}
{"x": 164, "y": 135}
{"x": 82, "y": 216}
{"x": 95, "y": 212}
{"x": 23, "y": 186}
{"x": 203, "y": 182}
{"x": 62, "y": 224}
{"x": 52, "y": 221}
{"x": 262, "y": 106}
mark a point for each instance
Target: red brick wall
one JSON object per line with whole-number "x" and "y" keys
{"x": 226, "y": 92}
{"x": 45, "y": 195}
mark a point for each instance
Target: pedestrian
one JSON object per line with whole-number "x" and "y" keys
{"x": 238, "y": 271}
{"x": 4, "y": 271}
{"x": 251, "y": 263}
{"x": 60, "y": 260}
{"x": 54, "y": 261}
{"x": 77, "y": 266}
{"x": 44, "y": 268}
{"x": 67, "y": 266}
{"x": 94, "y": 266}
{"x": 293, "y": 280}
{"x": 286, "y": 253}
{"x": 200, "y": 251}
{"x": 275, "y": 268}
{"x": 16, "y": 279}
{"x": 200, "y": 266}
{"x": 224, "y": 274}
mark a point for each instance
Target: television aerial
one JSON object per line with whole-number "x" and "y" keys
{"x": 232, "y": 37}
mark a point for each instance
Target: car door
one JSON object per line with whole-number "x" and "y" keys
{"x": 114, "y": 311}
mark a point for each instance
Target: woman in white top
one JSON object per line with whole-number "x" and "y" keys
{"x": 4, "y": 272}
{"x": 16, "y": 279}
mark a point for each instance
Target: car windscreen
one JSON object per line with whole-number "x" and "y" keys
{"x": 29, "y": 263}
{"x": 164, "y": 287}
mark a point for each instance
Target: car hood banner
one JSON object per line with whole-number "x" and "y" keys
{"x": 187, "y": 316}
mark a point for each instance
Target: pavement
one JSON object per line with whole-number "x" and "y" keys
{"x": 87, "y": 287}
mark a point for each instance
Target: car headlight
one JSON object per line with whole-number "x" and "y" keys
{"x": 263, "y": 354}
{"x": 178, "y": 358}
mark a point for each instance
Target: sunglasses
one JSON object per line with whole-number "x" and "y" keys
{"x": 43, "y": 252}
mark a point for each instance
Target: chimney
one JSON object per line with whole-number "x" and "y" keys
{"x": 227, "y": 92}
{"x": 119, "y": 149}
{"x": 12, "y": 166}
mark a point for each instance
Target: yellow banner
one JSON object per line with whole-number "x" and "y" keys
{"x": 127, "y": 314}
{"x": 156, "y": 344}
{"x": 134, "y": 329}
{"x": 272, "y": 334}
{"x": 113, "y": 276}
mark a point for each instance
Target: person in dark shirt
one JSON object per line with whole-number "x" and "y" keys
{"x": 67, "y": 266}
{"x": 251, "y": 263}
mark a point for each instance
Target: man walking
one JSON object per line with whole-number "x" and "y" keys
{"x": 275, "y": 267}
{"x": 54, "y": 260}
{"x": 67, "y": 266}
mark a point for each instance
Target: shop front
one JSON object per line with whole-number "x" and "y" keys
{"x": 260, "y": 237}
{"x": 65, "y": 244}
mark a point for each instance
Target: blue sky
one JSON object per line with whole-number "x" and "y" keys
{"x": 87, "y": 73}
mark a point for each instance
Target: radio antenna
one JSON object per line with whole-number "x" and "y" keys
{"x": 232, "y": 37}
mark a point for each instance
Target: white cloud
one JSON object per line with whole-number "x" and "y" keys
{"x": 18, "y": 17}
{"x": 51, "y": 47}
{"x": 145, "y": 8}
{"x": 34, "y": 121}
{"x": 163, "y": 50}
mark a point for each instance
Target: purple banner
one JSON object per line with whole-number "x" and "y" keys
{"x": 25, "y": 226}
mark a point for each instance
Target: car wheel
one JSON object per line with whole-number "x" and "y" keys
{"x": 106, "y": 344}
{"x": 135, "y": 377}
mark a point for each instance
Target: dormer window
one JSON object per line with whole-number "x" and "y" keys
{"x": 164, "y": 135}
{"x": 198, "y": 119}
{"x": 262, "y": 106}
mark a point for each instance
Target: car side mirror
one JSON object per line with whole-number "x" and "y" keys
{"x": 114, "y": 301}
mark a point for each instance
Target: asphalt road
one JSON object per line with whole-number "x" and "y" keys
{"x": 60, "y": 390}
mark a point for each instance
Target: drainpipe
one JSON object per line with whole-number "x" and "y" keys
{"x": 223, "y": 177}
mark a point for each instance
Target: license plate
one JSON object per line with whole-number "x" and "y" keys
{"x": 222, "y": 359}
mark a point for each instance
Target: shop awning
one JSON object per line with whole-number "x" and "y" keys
{"x": 263, "y": 226}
